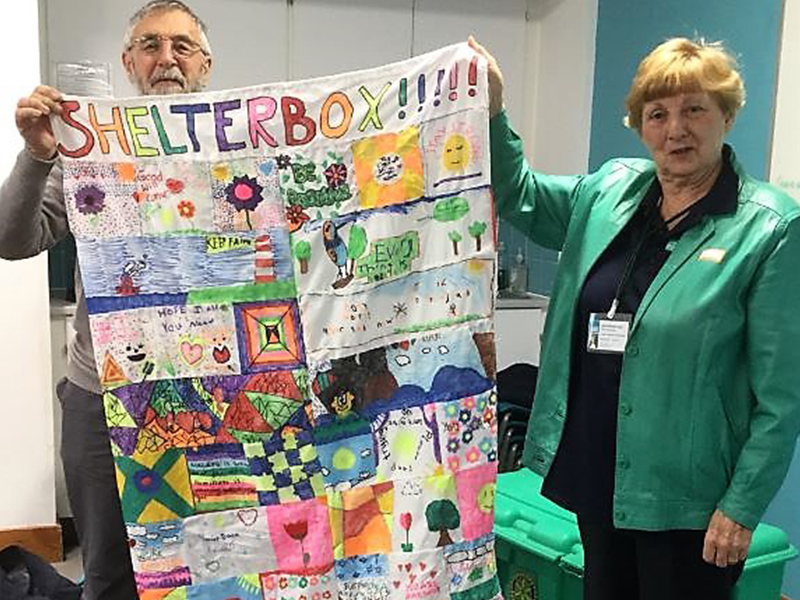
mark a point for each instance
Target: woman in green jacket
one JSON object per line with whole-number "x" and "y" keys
{"x": 671, "y": 432}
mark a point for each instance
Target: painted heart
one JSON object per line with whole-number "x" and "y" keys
{"x": 248, "y": 516}
{"x": 175, "y": 185}
{"x": 422, "y": 566}
{"x": 407, "y": 567}
{"x": 213, "y": 566}
{"x": 412, "y": 577}
{"x": 192, "y": 353}
{"x": 396, "y": 584}
{"x": 433, "y": 573}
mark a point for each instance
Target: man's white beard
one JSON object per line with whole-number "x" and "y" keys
{"x": 177, "y": 85}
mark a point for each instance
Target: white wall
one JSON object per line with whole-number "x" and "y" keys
{"x": 26, "y": 443}
{"x": 559, "y": 84}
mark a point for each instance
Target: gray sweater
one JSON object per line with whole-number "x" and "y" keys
{"x": 33, "y": 219}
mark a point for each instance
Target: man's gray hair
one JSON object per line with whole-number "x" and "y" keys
{"x": 163, "y": 5}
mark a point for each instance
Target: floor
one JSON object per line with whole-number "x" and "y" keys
{"x": 72, "y": 567}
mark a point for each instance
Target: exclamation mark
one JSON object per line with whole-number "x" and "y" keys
{"x": 453, "y": 82}
{"x": 403, "y": 97}
{"x": 472, "y": 77}
{"x": 439, "y": 78}
{"x": 421, "y": 90}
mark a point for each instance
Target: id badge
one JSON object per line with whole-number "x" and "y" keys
{"x": 608, "y": 335}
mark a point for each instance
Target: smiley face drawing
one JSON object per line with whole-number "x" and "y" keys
{"x": 456, "y": 153}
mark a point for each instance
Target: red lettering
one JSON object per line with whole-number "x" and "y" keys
{"x": 294, "y": 115}
{"x": 67, "y": 108}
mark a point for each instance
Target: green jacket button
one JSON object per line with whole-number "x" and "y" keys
{"x": 632, "y": 350}
{"x": 625, "y": 409}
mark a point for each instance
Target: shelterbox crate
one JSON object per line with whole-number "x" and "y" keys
{"x": 540, "y": 556}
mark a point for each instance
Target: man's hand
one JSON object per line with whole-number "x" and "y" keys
{"x": 726, "y": 541}
{"x": 495, "y": 78}
{"x": 33, "y": 123}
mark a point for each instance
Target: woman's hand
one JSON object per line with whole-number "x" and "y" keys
{"x": 726, "y": 541}
{"x": 495, "y": 78}
{"x": 33, "y": 123}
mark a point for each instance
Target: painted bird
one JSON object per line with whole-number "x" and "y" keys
{"x": 335, "y": 248}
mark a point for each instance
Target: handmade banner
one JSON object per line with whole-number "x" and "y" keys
{"x": 290, "y": 291}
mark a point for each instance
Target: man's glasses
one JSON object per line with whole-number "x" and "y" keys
{"x": 182, "y": 46}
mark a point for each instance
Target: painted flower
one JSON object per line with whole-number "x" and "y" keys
{"x": 465, "y": 416}
{"x": 297, "y": 530}
{"x": 451, "y": 410}
{"x": 469, "y": 403}
{"x": 221, "y": 171}
{"x": 453, "y": 428}
{"x": 485, "y": 446}
{"x": 175, "y": 186}
{"x": 244, "y": 193}
{"x": 453, "y": 463}
{"x": 466, "y": 437}
{"x": 284, "y": 161}
{"x": 452, "y": 445}
{"x": 326, "y": 595}
{"x": 336, "y": 174}
{"x": 90, "y": 200}
{"x": 186, "y": 209}
{"x": 489, "y": 416}
{"x": 473, "y": 455}
{"x": 492, "y": 456}
{"x": 296, "y": 216}
{"x": 283, "y": 583}
{"x": 481, "y": 402}
{"x": 405, "y": 520}
{"x": 303, "y": 583}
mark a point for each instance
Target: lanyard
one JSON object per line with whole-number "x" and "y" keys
{"x": 648, "y": 229}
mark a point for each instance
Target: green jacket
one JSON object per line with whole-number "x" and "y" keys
{"x": 709, "y": 398}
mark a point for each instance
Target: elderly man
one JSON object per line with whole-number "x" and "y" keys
{"x": 165, "y": 52}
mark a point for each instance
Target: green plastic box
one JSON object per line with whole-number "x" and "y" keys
{"x": 540, "y": 556}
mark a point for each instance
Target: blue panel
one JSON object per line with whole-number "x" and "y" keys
{"x": 628, "y": 29}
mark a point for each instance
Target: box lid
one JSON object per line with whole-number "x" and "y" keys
{"x": 526, "y": 519}
{"x": 769, "y": 545}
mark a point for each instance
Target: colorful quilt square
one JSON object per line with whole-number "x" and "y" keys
{"x": 316, "y": 184}
{"x": 156, "y": 555}
{"x": 455, "y": 154}
{"x": 154, "y": 486}
{"x": 468, "y": 430}
{"x": 100, "y": 200}
{"x": 361, "y": 520}
{"x": 246, "y": 195}
{"x": 228, "y": 543}
{"x": 476, "y": 488}
{"x": 285, "y": 469}
{"x": 301, "y": 535}
{"x": 173, "y": 196}
{"x": 220, "y": 478}
{"x": 389, "y": 168}
{"x": 270, "y": 337}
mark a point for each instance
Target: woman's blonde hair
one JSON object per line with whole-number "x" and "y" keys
{"x": 680, "y": 65}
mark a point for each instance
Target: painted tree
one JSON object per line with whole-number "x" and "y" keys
{"x": 356, "y": 245}
{"x": 476, "y": 230}
{"x": 302, "y": 252}
{"x": 455, "y": 237}
{"x": 442, "y": 516}
{"x": 450, "y": 209}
